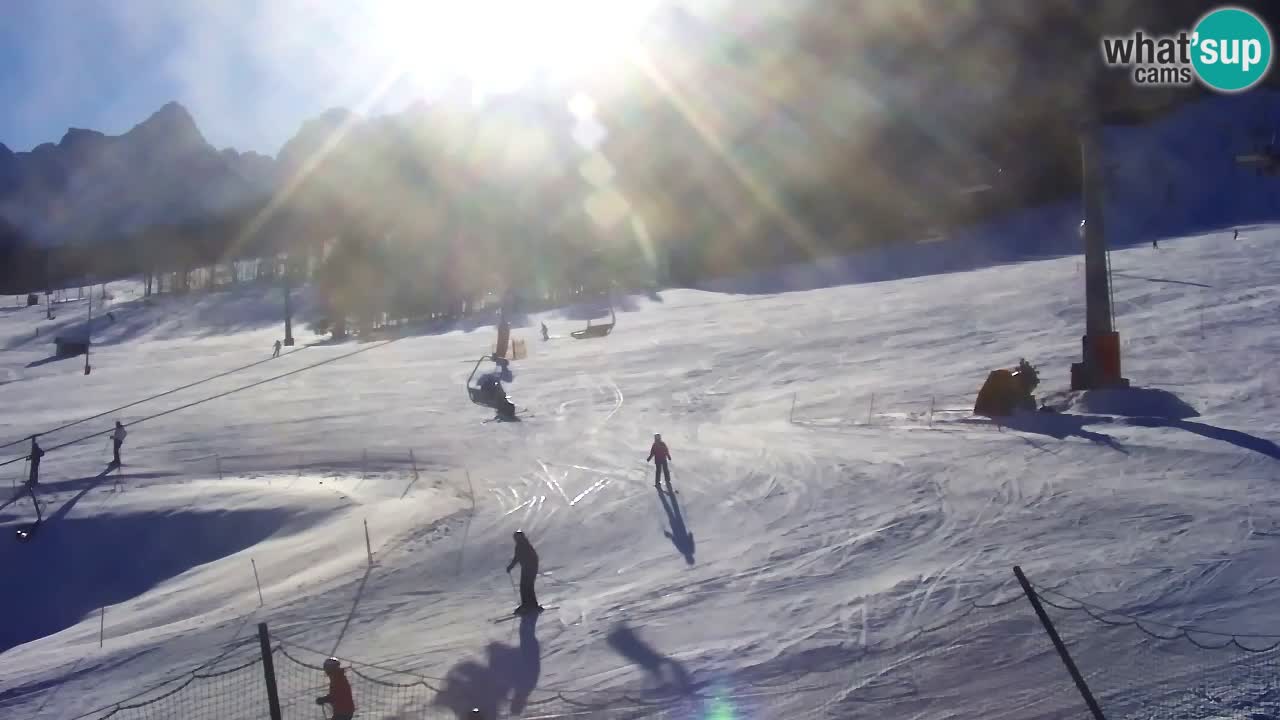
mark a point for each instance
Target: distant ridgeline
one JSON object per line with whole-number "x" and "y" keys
{"x": 906, "y": 135}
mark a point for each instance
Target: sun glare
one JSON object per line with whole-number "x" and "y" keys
{"x": 503, "y": 44}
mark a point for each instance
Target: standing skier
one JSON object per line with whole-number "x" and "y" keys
{"x": 276, "y": 351}
{"x": 546, "y": 334}
{"x": 117, "y": 439}
{"x": 344, "y": 707}
{"x": 527, "y": 558}
{"x": 660, "y": 456}
{"x": 36, "y": 453}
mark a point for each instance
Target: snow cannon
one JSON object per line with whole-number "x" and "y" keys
{"x": 1007, "y": 391}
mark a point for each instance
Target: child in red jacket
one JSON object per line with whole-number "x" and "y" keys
{"x": 660, "y": 455}
{"x": 344, "y": 708}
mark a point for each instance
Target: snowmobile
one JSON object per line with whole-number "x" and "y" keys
{"x": 488, "y": 390}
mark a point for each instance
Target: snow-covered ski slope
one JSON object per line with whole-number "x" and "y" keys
{"x": 805, "y": 551}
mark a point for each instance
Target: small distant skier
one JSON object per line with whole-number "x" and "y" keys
{"x": 660, "y": 456}
{"x": 1235, "y": 234}
{"x": 546, "y": 334}
{"x": 344, "y": 707}
{"x": 1155, "y": 243}
{"x": 527, "y": 558}
{"x": 33, "y": 479}
{"x": 276, "y": 353}
{"x": 117, "y": 439}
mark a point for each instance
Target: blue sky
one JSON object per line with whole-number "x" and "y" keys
{"x": 251, "y": 72}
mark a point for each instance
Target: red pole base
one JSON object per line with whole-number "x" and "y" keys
{"x": 1100, "y": 366}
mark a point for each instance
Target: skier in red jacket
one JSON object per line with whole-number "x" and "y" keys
{"x": 660, "y": 455}
{"x": 344, "y": 708}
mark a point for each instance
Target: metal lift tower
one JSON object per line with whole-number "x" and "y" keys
{"x": 1099, "y": 366}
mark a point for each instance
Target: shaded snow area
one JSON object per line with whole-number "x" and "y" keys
{"x": 840, "y": 544}
{"x": 848, "y": 556}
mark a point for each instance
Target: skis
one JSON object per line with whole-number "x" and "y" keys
{"x": 26, "y": 532}
{"x": 519, "y": 417}
{"x": 511, "y": 616}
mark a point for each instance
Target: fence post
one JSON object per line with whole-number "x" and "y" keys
{"x": 364, "y": 464}
{"x": 102, "y": 625}
{"x": 269, "y": 672}
{"x": 413, "y": 462}
{"x": 1057, "y": 643}
{"x": 257, "y": 582}
{"x": 871, "y": 408}
{"x": 368, "y": 546}
{"x": 218, "y": 461}
{"x": 930, "y": 411}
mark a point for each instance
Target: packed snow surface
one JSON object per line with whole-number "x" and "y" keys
{"x": 822, "y": 512}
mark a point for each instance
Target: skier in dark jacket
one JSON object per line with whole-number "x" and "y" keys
{"x": 117, "y": 439}
{"x": 527, "y": 558}
{"x": 660, "y": 455}
{"x": 493, "y": 395}
{"x": 36, "y": 453}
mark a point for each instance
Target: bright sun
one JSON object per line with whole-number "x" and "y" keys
{"x": 500, "y": 44}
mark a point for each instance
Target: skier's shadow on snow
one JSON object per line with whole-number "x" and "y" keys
{"x": 510, "y": 675}
{"x": 668, "y": 673}
{"x": 679, "y": 534}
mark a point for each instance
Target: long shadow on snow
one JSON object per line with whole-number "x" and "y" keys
{"x": 509, "y": 675}
{"x": 679, "y": 534}
{"x": 77, "y": 565}
{"x": 1063, "y": 425}
{"x": 1161, "y": 280}
{"x": 355, "y": 605}
{"x": 92, "y": 481}
{"x": 76, "y": 673}
{"x": 82, "y": 484}
{"x": 669, "y": 674}
{"x": 1235, "y": 437}
{"x": 50, "y": 359}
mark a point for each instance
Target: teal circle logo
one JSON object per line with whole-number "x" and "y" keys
{"x": 1231, "y": 49}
